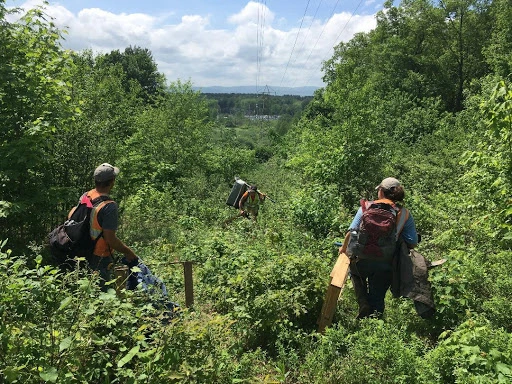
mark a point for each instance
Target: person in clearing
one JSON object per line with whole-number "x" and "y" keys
{"x": 251, "y": 201}
{"x": 104, "y": 223}
{"x": 372, "y": 273}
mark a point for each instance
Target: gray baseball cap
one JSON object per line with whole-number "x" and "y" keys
{"x": 389, "y": 183}
{"x": 105, "y": 172}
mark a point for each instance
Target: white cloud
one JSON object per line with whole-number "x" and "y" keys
{"x": 253, "y": 13}
{"x": 252, "y": 50}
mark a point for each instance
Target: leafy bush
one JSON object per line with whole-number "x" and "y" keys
{"x": 376, "y": 353}
{"x": 475, "y": 352}
{"x": 263, "y": 291}
{"x": 60, "y": 328}
{"x": 316, "y": 209}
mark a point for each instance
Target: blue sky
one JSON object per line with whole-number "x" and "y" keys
{"x": 214, "y": 42}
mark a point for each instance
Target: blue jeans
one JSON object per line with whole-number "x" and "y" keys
{"x": 371, "y": 280}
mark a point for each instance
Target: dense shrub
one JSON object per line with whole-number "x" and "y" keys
{"x": 263, "y": 290}
{"x": 475, "y": 352}
{"x": 60, "y": 328}
{"x": 375, "y": 353}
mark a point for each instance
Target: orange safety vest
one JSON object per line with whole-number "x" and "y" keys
{"x": 251, "y": 202}
{"x": 101, "y": 248}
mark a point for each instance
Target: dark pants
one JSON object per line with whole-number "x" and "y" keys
{"x": 371, "y": 280}
{"x": 101, "y": 265}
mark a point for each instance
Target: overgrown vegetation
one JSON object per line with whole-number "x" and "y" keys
{"x": 425, "y": 97}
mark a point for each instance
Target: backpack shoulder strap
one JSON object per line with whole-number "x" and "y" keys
{"x": 101, "y": 204}
{"x": 97, "y": 201}
{"x": 401, "y": 218}
{"x": 364, "y": 204}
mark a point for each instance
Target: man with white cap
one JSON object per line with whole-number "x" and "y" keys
{"x": 104, "y": 224}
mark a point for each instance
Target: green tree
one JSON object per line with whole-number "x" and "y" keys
{"x": 499, "y": 51}
{"x": 468, "y": 30}
{"x": 169, "y": 139}
{"x": 35, "y": 102}
{"x": 138, "y": 66}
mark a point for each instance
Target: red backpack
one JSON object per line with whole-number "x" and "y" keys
{"x": 378, "y": 231}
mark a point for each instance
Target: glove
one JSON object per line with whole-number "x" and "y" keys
{"x": 132, "y": 263}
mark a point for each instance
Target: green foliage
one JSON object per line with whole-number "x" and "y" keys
{"x": 139, "y": 67}
{"x": 264, "y": 291}
{"x": 498, "y": 52}
{"x": 491, "y": 165}
{"x": 414, "y": 99}
{"x": 316, "y": 211}
{"x": 35, "y": 102}
{"x": 263, "y": 104}
{"x": 149, "y": 215}
{"x": 168, "y": 140}
{"x": 376, "y": 353}
{"x": 453, "y": 296}
{"x": 475, "y": 352}
{"x": 60, "y": 328}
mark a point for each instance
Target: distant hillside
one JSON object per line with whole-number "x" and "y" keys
{"x": 251, "y": 89}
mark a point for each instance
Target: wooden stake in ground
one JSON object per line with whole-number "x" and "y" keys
{"x": 338, "y": 276}
{"x": 121, "y": 273}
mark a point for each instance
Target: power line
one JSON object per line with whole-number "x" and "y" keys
{"x": 260, "y": 29}
{"x": 348, "y": 21}
{"x": 309, "y": 29}
{"x": 296, "y": 37}
{"x": 337, "y": 38}
{"x": 319, "y": 36}
{"x": 257, "y": 50}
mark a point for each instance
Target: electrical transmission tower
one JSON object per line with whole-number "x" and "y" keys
{"x": 265, "y": 100}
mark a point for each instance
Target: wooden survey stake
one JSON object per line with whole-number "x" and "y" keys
{"x": 121, "y": 273}
{"x": 338, "y": 276}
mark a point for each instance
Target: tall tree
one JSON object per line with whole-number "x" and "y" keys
{"x": 97, "y": 133}
{"x": 169, "y": 139}
{"x": 499, "y": 51}
{"x": 34, "y": 103}
{"x": 139, "y": 66}
{"x": 468, "y": 31}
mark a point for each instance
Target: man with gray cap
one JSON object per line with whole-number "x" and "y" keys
{"x": 104, "y": 223}
{"x": 371, "y": 243}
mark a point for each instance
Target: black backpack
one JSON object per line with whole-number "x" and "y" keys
{"x": 73, "y": 238}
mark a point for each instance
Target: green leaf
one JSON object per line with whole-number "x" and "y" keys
{"x": 64, "y": 303}
{"x": 50, "y": 375}
{"x": 11, "y": 374}
{"x": 90, "y": 311}
{"x": 504, "y": 369}
{"x": 64, "y": 344}
{"x": 175, "y": 376}
{"x": 129, "y": 356}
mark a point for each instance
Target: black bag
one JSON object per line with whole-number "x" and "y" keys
{"x": 73, "y": 238}
{"x": 236, "y": 193}
{"x": 410, "y": 279}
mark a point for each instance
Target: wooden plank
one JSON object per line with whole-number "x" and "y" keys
{"x": 340, "y": 271}
{"x": 338, "y": 276}
{"x": 328, "y": 308}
